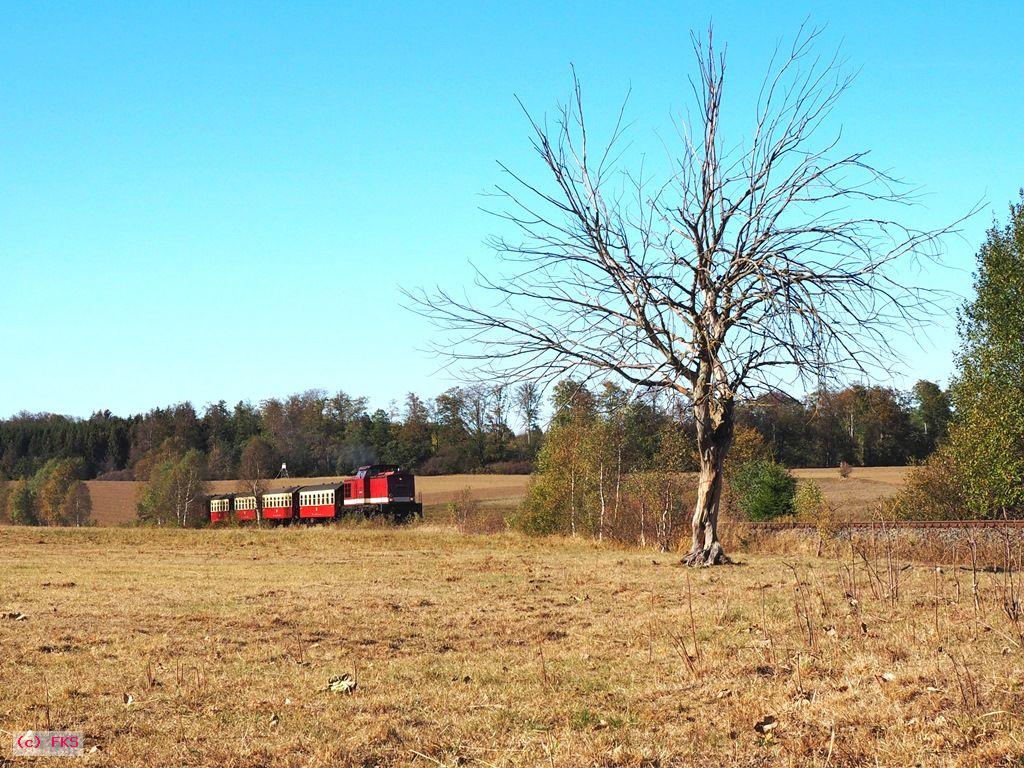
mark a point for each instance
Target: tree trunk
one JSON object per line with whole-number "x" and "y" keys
{"x": 572, "y": 498}
{"x": 713, "y": 443}
{"x": 618, "y": 486}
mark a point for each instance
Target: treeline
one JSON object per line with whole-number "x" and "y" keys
{"x": 464, "y": 429}
{"x": 613, "y": 466}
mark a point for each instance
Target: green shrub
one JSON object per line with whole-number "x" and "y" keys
{"x": 809, "y": 502}
{"x": 764, "y": 490}
{"x": 21, "y": 506}
{"x": 810, "y": 506}
{"x": 541, "y": 513}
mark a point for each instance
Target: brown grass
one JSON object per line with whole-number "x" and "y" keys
{"x": 857, "y": 496}
{"x": 495, "y": 651}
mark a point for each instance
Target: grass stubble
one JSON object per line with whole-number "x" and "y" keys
{"x": 214, "y": 647}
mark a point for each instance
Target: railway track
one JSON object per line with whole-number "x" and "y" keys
{"x": 886, "y": 525}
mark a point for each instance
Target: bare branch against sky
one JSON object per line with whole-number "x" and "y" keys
{"x": 786, "y": 255}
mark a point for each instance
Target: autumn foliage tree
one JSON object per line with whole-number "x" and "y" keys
{"x": 175, "y": 492}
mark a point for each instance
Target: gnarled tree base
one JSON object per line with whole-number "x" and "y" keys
{"x": 707, "y": 556}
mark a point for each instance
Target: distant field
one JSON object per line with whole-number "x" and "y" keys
{"x": 215, "y": 647}
{"x": 856, "y": 496}
{"x": 114, "y": 502}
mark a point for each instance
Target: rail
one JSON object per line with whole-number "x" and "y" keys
{"x": 881, "y": 525}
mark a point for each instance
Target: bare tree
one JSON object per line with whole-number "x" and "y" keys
{"x": 258, "y": 461}
{"x": 77, "y": 507}
{"x": 187, "y": 487}
{"x": 744, "y": 264}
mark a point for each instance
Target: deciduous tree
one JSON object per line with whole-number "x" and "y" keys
{"x": 987, "y": 434}
{"x": 738, "y": 262}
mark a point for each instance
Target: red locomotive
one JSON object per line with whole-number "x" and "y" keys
{"x": 377, "y": 490}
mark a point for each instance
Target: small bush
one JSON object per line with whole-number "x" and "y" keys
{"x": 542, "y": 512}
{"x": 509, "y": 468}
{"x": 119, "y": 475}
{"x": 809, "y": 502}
{"x": 810, "y": 507}
{"x": 764, "y": 490}
{"x": 462, "y": 508}
{"x": 446, "y": 462}
{"x": 845, "y": 470}
{"x": 933, "y": 491}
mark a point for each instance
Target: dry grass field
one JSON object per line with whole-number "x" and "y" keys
{"x": 856, "y": 496}
{"x": 114, "y": 502}
{"x": 214, "y": 647}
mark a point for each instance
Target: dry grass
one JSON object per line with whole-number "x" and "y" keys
{"x": 495, "y": 651}
{"x": 857, "y": 496}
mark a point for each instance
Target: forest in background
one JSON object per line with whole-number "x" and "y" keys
{"x": 463, "y": 430}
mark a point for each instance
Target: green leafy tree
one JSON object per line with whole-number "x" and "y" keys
{"x": 21, "y": 505}
{"x": 932, "y": 413}
{"x": 556, "y": 501}
{"x": 52, "y": 484}
{"x": 986, "y": 438}
{"x": 764, "y": 490}
{"x": 175, "y": 492}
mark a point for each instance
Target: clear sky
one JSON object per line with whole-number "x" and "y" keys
{"x": 212, "y": 200}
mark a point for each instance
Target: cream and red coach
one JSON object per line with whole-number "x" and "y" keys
{"x": 321, "y": 502}
{"x": 220, "y": 508}
{"x": 245, "y": 508}
{"x": 279, "y": 504}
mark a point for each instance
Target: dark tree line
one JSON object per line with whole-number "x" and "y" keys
{"x": 861, "y": 425}
{"x": 464, "y": 429}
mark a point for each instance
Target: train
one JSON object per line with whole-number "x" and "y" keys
{"x": 376, "y": 490}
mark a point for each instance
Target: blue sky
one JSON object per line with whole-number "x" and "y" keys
{"x": 213, "y": 200}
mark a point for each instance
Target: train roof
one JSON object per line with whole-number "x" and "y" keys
{"x": 370, "y": 470}
{"x": 322, "y": 487}
{"x": 219, "y": 496}
{"x": 289, "y": 489}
